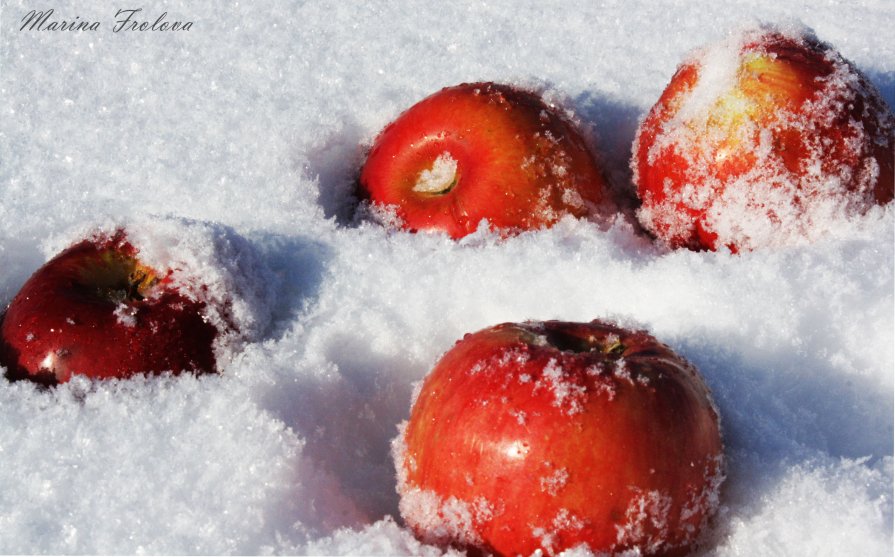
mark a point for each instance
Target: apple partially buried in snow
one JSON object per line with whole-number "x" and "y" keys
{"x": 769, "y": 138}
{"x": 546, "y": 436}
{"x": 97, "y": 311}
{"x": 482, "y": 151}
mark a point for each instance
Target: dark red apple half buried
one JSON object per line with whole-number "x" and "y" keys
{"x": 546, "y": 436}
{"x": 98, "y": 311}
{"x": 482, "y": 151}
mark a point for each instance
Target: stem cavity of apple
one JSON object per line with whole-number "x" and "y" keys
{"x": 140, "y": 280}
{"x": 121, "y": 278}
{"x": 439, "y": 179}
{"x": 610, "y": 345}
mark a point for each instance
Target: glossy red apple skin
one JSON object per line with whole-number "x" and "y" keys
{"x": 81, "y": 314}
{"x": 551, "y": 435}
{"x": 829, "y": 135}
{"x": 520, "y": 165}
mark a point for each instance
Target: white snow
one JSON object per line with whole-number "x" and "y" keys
{"x": 568, "y": 396}
{"x": 440, "y": 178}
{"x": 233, "y": 148}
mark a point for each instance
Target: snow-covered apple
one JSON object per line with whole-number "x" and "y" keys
{"x": 768, "y": 138}
{"x": 483, "y": 151}
{"x": 548, "y": 436}
{"x": 96, "y": 310}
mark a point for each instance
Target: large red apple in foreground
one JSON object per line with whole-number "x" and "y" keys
{"x": 482, "y": 151}
{"x": 546, "y": 436}
{"x": 97, "y": 311}
{"x": 767, "y": 139}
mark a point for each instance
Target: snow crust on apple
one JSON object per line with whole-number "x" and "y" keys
{"x": 440, "y": 177}
{"x": 437, "y": 519}
{"x": 768, "y": 138}
{"x": 519, "y": 439}
{"x": 204, "y": 262}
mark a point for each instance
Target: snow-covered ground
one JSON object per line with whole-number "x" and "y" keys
{"x": 252, "y": 125}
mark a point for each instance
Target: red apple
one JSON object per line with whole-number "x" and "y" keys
{"x": 546, "y": 436}
{"x": 482, "y": 151}
{"x": 767, "y": 139}
{"x": 97, "y": 311}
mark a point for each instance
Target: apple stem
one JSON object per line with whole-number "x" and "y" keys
{"x": 615, "y": 348}
{"x": 134, "y": 287}
{"x": 139, "y": 280}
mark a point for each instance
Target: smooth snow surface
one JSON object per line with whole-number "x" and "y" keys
{"x": 253, "y": 125}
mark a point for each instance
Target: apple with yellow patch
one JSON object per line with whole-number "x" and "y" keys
{"x": 770, "y": 138}
{"x": 96, "y": 310}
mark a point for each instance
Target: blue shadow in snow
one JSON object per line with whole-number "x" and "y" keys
{"x": 299, "y": 264}
{"x": 335, "y": 163}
